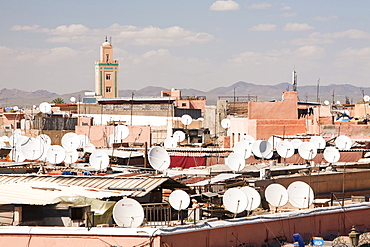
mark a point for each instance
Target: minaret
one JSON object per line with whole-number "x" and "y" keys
{"x": 294, "y": 80}
{"x": 106, "y": 72}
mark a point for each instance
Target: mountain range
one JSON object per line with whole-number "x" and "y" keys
{"x": 334, "y": 92}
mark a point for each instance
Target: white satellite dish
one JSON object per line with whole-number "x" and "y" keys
{"x": 225, "y": 123}
{"x": 44, "y": 138}
{"x": 296, "y": 143}
{"x": 248, "y": 139}
{"x": 2, "y": 143}
{"x": 285, "y": 149}
{"x": 326, "y": 102}
{"x": 71, "y": 157}
{"x": 128, "y": 213}
{"x": 170, "y": 142}
{"x": 338, "y": 102}
{"x": 111, "y": 140}
{"x": 254, "y": 198}
{"x": 45, "y": 107}
{"x": 5, "y": 139}
{"x": 186, "y": 119}
{"x": 276, "y": 195}
{"x": 99, "y": 160}
{"x": 235, "y": 200}
{"x": 121, "y": 132}
{"x": 331, "y": 154}
{"x": 366, "y": 98}
{"x": 179, "y": 136}
{"x": 71, "y": 141}
{"x": 159, "y": 158}
{"x": 300, "y": 194}
{"x": 21, "y": 140}
{"x": 16, "y": 155}
{"x": 274, "y": 141}
{"x": 243, "y": 148}
{"x": 235, "y": 162}
{"x": 307, "y": 150}
{"x": 55, "y": 154}
{"x": 343, "y": 142}
{"x": 72, "y": 99}
{"x": 179, "y": 200}
{"x": 89, "y": 148}
{"x": 84, "y": 140}
{"x": 261, "y": 149}
{"x": 33, "y": 149}
{"x": 318, "y": 141}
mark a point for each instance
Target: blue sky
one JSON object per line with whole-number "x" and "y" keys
{"x": 199, "y": 44}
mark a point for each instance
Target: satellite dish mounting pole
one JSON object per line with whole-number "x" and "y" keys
{"x": 237, "y": 208}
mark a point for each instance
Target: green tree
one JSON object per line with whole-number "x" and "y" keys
{"x": 58, "y": 101}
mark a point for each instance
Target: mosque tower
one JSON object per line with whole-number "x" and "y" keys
{"x": 106, "y": 72}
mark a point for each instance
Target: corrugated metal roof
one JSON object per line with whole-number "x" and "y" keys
{"x": 132, "y": 186}
{"x": 219, "y": 178}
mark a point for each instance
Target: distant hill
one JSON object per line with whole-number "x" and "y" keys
{"x": 16, "y": 97}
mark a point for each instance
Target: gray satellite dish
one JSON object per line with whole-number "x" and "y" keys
{"x": 243, "y": 148}
{"x": 300, "y": 194}
{"x": 159, "y": 158}
{"x": 276, "y": 195}
{"x": 55, "y": 154}
{"x": 318, "y": 141}
{"x": 254, "y": 198}
{"x": 343, "y": 142}
{"x": 45, "y": 107}
{"x": 235, "y": 200}
{"x": 366, "y": 98}
{"x": 71, "y": 141}
{"x": 261, "y": 149}
{"x": 179, "y": 200}
{"x": 307, "y": 150}
{"x": 99, "y": 160}
{"x": 170, "y": 142}
{"x": 235, "y": 162}
{"x": 186, "y": 119}
{"x": 331, "y": 154}
{"x": 225, "y": 123}
{"x": 179, "y": 136}
{"x": 128, "y": 213}
{"x": 285, "y": 149}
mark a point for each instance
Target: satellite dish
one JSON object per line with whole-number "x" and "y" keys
{"x": 300, "y": 194}
{"x": 307, "y": 150}
{"x": 366, "y": 98}
{"x": 276, "y": 195}
{"x": 55, "y": 154}
{"x": 45, "y": 107}
{"x": 254, "y": 198}
{"x": 99, "y": 160}
{"x": 261, "y": 149}
{"x": 338, "y": 102}
{"x": 179, "y": 200}
{"x": 235, "y": 200}
{"x": 248, "y": 139}
{"x": 225, "y": 123}
{"x": 235, "y": 162}
{"x": 44, "y": 138}
{"x": 326, "y": 102}
{"x": 186, "y": 119}
{"x": 274, "y": 141}
{"x": 73, "y": 99}
{"x": 179, "y": 136}
{"x": 159, "y": 158}
{"x": 285, "y": 149}
{"x": 71, "y": 141}
{"x": 5, "y": 139}
{"x": 111, "y": 140}
{"x": 89, "y": 148}
{"x": 16, "y": 155}
{"x": 21, "y": 140}
{"x": 84, "y": 140}
{"x": 318, "y": 141}
{"x": 71, "y": 157}
{"x": 128, "y": 213}
{"x": 170, "y": 142}
{"x": 296, "y": 143}
{"x": 331, "y": 154}
{"x": 2, "y": 143}
{"x": 121, "y": 132}
{"x": 343, "y": 142}
{"x": 243, "y": 148}
{"x": 32, "y": 149}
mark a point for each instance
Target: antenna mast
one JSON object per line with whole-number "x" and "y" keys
{"x": 294, "y": 80}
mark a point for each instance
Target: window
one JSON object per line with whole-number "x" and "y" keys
{"x": 107, "y": 76}
{"x": 183, "y": 104}
{"x": 108, "y": 89}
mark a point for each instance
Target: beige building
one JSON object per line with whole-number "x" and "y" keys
{"x": 106, "y": 72}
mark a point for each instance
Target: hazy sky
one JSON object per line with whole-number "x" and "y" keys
{"x": 201, "y": 44}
